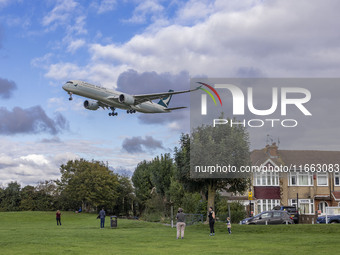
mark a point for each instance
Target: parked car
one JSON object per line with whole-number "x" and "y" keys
{"x": 271, "y": 218}
{"x": 291, "y": 210}
{"x": 331, "y": 219}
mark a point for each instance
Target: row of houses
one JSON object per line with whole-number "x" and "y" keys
{"x": 304, "y": 186}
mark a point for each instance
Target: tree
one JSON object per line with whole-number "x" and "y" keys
{"x": 153, "y": 177}
{"x": 47, "y": 196}
{"x": 28, "y": 198}
{"x": 162, "y": 169}
{"x": 176, "y": 193}
{"x": 90, "y": 184}
{"x": 208, "y": 146}
{"x": 2, "y": 193}
{"x": 142, "y": 183}
{"x": 126, "y": 197}
{"x": 11, "y": 197}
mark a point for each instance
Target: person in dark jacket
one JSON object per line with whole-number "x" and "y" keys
{"x": 211, "y": 217}
{"x": 180, "y": 223}
{"x": 58, "y": 217}
{"x": 102, "y": 215}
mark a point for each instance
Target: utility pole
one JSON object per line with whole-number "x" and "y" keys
{"x": 250, "y": 198}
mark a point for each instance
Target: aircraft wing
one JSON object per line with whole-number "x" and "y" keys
{"x": 149, "y": 97}
{"x": 103, "y": 105}
{"x": 175, "y": 108}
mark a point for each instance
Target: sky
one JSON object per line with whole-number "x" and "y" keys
{"x": 141, "y": 47}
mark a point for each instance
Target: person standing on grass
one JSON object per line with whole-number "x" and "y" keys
{"x": 102, "y": 215}
{"x": 180, "y": 223}
{"x": 58, "y": 217}
{"x": 211, "y": 217}
{"x": 229, "y": 225}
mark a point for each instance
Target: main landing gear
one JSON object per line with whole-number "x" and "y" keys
{"x": 113, "y": 113}
{"x": 130, "y": 111}
{"x": 70, "y": 98}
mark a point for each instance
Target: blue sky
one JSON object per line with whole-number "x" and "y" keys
{"x": 138, "y": 47}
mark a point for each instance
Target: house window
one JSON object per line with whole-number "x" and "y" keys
{"x": 337, "y": 179}
{"x": 306, "y": 206}
{"x": 322, "y": 179}
{"x": 266, "y": 204}
{"x": 293, "y": 180}
{"x": 301, "y": 179}
{"x": 266, "y": 179}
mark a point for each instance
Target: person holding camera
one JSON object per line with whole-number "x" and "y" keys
{"x": 180, "y": 223}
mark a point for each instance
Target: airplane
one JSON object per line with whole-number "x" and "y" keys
{"x": 111, "y": 99}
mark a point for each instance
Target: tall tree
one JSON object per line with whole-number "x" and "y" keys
{"x": 142, "y": 183}
{"x": 126, "y": 197}
{"x": 208, "y": 146}
{"x": 90, "y": 183}
{"x": 28, "y": 198}
{"x": 162, "y": 169}
{"x": 11, "y": 197}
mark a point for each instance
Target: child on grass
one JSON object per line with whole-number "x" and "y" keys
{"x": 229, "y": 225}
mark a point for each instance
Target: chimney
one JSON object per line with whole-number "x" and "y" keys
{"x": 272, "y": 150}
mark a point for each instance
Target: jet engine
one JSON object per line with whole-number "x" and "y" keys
{"x": 126, "y": 99}
{"x": 91, "y": 105}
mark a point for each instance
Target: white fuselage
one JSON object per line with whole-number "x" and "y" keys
{"x": 109, "y": 97}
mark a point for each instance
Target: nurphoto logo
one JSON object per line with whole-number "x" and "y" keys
{"x": 285, "y": 96}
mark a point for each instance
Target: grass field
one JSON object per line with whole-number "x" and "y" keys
{"x": 37, "y": 233}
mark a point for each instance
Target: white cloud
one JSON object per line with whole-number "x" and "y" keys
{"x": 149, "y": 9}
{"x": 78, "y": 28}
{"x": 194, "y": 11}
{"x": 29, "y": 162}
{"x": 282, "y": 38}
{"x": 60, "y": 14}
{"x": 275, "y": 38}
{"x": 75, "y": 45}
{"x": 43, "y": 61}
{"x": 61, "y": 104}
{"x": 97, "y": 73}
{"x": 61, "y": 71}
{"x": 73, "y": 32}
{"x": 70, "y": 16}
{"x": 105, "y": 6}
{"x": 36, "y": 159}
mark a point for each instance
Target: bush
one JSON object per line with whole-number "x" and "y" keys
{"x": 237, "y": 211}
{"x": 190, "y": 202}
{"x": 154, "y": 209}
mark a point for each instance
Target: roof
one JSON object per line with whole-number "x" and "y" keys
{"x": 336, "y": 195}
{"x": 296, "y": 157}
{"x": 322, "y": 197}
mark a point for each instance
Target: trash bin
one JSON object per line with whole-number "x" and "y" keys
{"x": 113, "y": 220}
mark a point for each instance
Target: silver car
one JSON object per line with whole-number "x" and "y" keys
{"x": 270, "y": 218}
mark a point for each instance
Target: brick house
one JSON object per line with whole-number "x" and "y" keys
{"x": 312, "y": 191}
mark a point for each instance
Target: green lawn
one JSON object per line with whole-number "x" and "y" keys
{"x": 37, "y": 233}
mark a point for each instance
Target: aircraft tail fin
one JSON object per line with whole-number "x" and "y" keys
{"x": 165, "y": 100}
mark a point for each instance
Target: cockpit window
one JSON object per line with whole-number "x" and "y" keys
{"x": 70, "y": 82}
